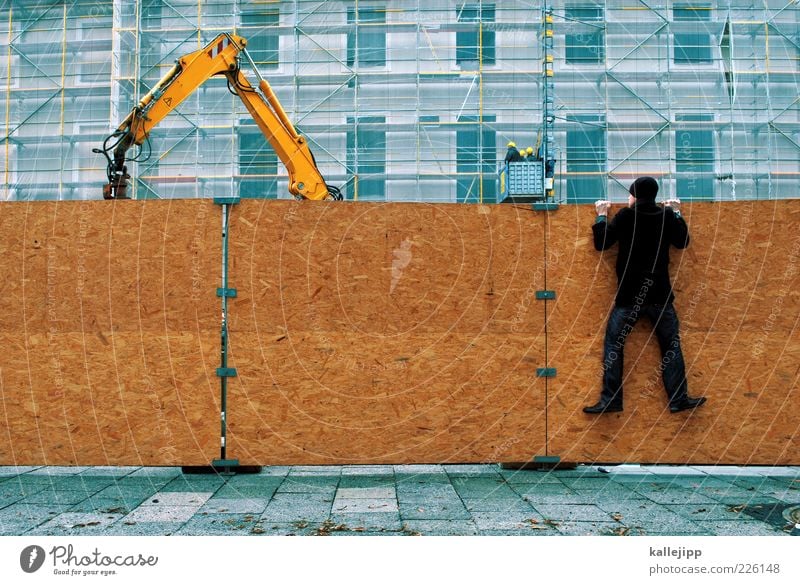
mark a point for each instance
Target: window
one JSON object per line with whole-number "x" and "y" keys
{"x": 151, "y": 14}
{"x": 694, "y": 157}
{"x": 693, "y": 43}
{"x": 472, "y": 45}
{"x": 263, "y": 41}
{"x": 256, "y": 157}
{"x": 587, "y": 44}
{"x": 476, "y": 160}
{"x": 586, "y": 158}
{"x": 366, "y": 41}
{"x": 366, "y": 155}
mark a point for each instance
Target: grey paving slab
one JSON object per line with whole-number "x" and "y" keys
{"x": 275, "y": 470}
{"x": 11, "y": 470}
{"x": 663, "y": 525}
{"x": 304, "y": 470}
{"x": 530, "y": 477}
{"x": 573, "y": 513}
{"x": 264, "y": 490}
{"x": 740, "y": 528}
{"x": 156, "y": 482}
{"x": 580, "y": 471}
{"x": 103, "y": 505}
{"x": 590, "y": 483}
{"x": 402, "y": 479}
{"x": 76, "y": 524}
{"x": 13, "y": 488}
{"x": 676, "y": 496}
{"x": 88, "y": 484}
{"x": 792, "y": 472}
{"x": 717, "y": 470}
{"x": 320, "y": 484}
{"x": 418, "y": 469}
{"x": 698, "y": 512}
{"x": 32, "y": 480}
{"x": 366, "y": 492}
{"x": 111, "y": 470}
{"x": 58, "y": 470}
{"x": 424, "y": 495}
{"x": 365, "y": 481}
{"x": 441, "y": 527}
{"x": 506, "y": 520}
{"x": 363, "y": 506}
{"x": 672, "y": 470}
{"x": 434, "y": 510}
{"x": 129, "y": 493}
{"x": 373, "y": 470}
{"x": 64, "y": 497}
{"x": 255, "y": 480}
{"x": 194, "y": 483}
{"x": 285, "y": 508}
{"x": 532, "y": 531}
{"x": 219, "y": 524}
{"x": 165, "y": 472}
{"x": 234, "y": 506}
{"x": 161, "y": 513}
{"x": 19, "y": 518}
{"x": 196, "y": 499}
{"x": 125, "y": 528}
{"x": 497, "y": 505}
{"x": 384, "y": 521}
{"x": 476, "y": 470}
{"x": 590, "y": 528}
{"x": 632, "y": 478}
{"x": 8, "y": 500}
{"x": 299, "y": 528}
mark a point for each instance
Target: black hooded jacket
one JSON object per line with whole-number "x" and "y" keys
{"x": 645, "y": 233}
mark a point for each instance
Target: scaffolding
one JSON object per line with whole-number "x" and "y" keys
{"x": 413, "y": 100}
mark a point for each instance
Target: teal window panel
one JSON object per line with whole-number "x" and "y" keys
{"x": 692, "y": 46}
{"x": 695, "y": 158}
{"x": 257, "y": 158}
{"x": 589, "y": 45}
{"x": 471, "y": 45}
{"x": 586, "y": 158}
{"x": 476, "y": 160}
{"x": 263, "y": 40}
{"x": 366, "y": 45}
{"x": 366, "y": 156}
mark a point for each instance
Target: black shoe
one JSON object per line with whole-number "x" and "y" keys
{"x": 603, "y": 406}
{"x": 687, "y": 404}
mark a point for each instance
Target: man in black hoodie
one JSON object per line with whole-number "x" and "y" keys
{"x": 645, "y": 232}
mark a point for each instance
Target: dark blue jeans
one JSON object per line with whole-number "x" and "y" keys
{"x": 620, "y": 324}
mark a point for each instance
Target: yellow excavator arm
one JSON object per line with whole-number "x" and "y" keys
{"x": 220, "y": 57}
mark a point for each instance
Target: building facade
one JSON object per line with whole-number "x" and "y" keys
{"x": 412, "y": 100}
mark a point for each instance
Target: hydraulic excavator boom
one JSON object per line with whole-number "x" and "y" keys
{"x": 220, "y": 57}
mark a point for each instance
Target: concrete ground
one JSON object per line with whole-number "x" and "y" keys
{"x": 401, "y": 500}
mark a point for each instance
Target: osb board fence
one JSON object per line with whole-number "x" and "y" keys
{"x": 371, "y": 333}
{"x": 110, "y": 339}
{"x": 737, "y": 290}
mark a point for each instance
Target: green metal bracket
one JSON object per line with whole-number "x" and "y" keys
{"x": 226, "y": 292}
{"x": 545, "y": 372}
{"x": 545, "y": 206}
{"x": 553, "y": 459}
{"x": 226, "y": 200}
{"x": 226, "y": 372}
{"x": 225, "y": 463}
{"x": 548, "y": 295}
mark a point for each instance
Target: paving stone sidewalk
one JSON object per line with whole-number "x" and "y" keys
{"x": 402, "y": 500}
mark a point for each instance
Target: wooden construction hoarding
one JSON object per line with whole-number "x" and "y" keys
{"x": 382, "y": 333}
